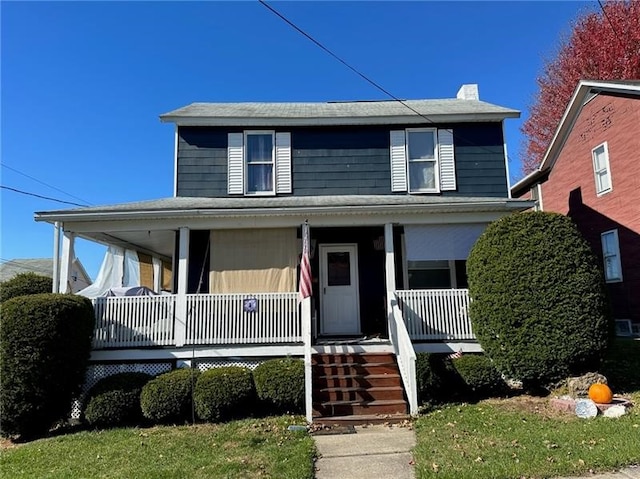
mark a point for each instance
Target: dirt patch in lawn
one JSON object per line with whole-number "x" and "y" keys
{"x": 529, "y": 404}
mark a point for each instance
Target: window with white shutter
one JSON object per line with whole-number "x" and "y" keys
{"x": 601, "y": 170}
{"x": 259, "y": 163}
{"x": 422, "y": 160}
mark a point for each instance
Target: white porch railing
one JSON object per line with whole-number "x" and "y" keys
{"x": 403, "y": 349}
{"x": 133, "y": 321}
{"x": 223, "y": 319}
{"x": 436, "y": 314}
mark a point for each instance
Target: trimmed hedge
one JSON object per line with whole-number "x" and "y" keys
{"x": 115, "y": 400}
{"x": 23, "y": 284}
{"x": 539, "y": 306}
{"x": 45, "y": 342}
{"x": 479, "y": 375}
{"x": 168, "y": 397}
{"x": 280, "y": 384}
{"x": 437, "y": 379}
{"x": 224, "y": 393}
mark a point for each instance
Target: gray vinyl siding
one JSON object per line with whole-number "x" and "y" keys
{"x": 343, "y": 161}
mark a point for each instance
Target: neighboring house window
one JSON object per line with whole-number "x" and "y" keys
{"x": 259, "y": 163}
{"x": 422, "y": 160}
{"x": 601, "y": 169}
{"x": 611, "y": 256}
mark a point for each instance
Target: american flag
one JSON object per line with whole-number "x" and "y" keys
{"x": 455, "y": 355}
{"x": 305, "y": 266}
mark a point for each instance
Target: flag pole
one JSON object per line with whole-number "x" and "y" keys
{"x": 304, "y": 298}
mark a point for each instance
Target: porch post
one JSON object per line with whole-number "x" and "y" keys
{"x": 180, "y": 332}
{"x": 64, "y": 286}
{"x": 56, "y": 257}
{"x": 390, "y": 262}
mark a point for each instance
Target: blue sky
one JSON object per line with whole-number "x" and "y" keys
{"x": 83, "y": 83}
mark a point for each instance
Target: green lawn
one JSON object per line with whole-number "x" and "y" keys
{"x": 241, "y": 449}
{"x": 525, "y": 438}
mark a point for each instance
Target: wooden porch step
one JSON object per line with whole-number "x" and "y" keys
{"x": 359, "y": 358}
{"x": 363, "y": 380}
{"x": 361, "y": 419}
{"x": 360, "y": 394}
{"x": 355, "y": 368}
{"x": 348, "y": 408}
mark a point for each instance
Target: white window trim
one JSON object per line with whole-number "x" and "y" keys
{"x": 608, "y": 168}
{"x": 245, "y": 165}
{"x": 436, "y": 161}
{"x": 616, "y": 255}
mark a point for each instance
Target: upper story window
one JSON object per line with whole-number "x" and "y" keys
{"x": 259, "y": 163}
{"x": 611, "y": 256}
{"x": 422, "y": 160}
{"x": 601, "y": 169}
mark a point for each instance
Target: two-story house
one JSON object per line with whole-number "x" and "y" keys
{"x": 591, "y": 172}
{"x": 394, "y": 195}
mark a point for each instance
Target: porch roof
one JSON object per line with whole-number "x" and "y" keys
{"x": 150, "y": 226}
{"x": 190, "y": 207}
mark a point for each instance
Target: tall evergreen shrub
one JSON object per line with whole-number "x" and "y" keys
{"x": 539, "y": 306}
{"x": 45, "y": 342}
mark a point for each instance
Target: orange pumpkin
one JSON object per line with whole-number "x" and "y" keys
{"x": 600, "y": 393}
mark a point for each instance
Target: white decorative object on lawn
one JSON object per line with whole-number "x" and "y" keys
{"x": 586, "y": 408}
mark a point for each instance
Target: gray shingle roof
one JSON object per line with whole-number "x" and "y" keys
{"x": 355, "y": 112}
{"x": 41, "y": 266}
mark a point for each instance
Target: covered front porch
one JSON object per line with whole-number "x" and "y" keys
{"x": 223, "y": 275}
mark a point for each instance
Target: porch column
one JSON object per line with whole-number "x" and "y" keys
{"x": 390, "y": 261}
{"x": 68, "y": 240}
{"x": 180, "y": 331}
{"x": 56, "y": 257}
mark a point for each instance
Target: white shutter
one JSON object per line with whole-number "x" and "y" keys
{"x": 283, "y": 162}
{"x": 235, "y": 164}
{"x": 447, "y": 160}
{"x": 398, "y": 161}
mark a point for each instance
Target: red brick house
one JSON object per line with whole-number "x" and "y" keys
{"x": 591, "y": 172}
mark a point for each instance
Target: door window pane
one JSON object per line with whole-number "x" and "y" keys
{"x": 338, "y": 269}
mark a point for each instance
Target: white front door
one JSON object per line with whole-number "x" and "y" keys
{"x": 339, "y": 301}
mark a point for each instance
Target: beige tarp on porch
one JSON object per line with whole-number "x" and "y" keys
{"x": 254, "y": 261}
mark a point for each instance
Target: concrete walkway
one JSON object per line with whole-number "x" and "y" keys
{"x": 377, "y": 451}
{"x": 382, "y": 451}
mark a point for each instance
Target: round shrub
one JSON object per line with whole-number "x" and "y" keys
{"x": 168, "y": 397}
{"x": 539, "y": 306}
{"x": 280, "y": 384}
{"x": 115, "y": 400}
{"x": 45, "y": 342}
{"x": 224, "y": 393}
{"x": 479, "y": 375}
{"x": 23, "y": 284}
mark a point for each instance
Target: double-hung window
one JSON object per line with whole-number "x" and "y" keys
{"x": 611, "y": 256}
{"x": 422, "y": 157}
{"x": 259, "y": 162}
{"x": 422, "y": 160}
{"x": 601, "y": 169}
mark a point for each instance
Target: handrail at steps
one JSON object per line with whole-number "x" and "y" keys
{"x": 403, "y": 349}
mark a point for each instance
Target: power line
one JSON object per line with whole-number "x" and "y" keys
{"x": 40, "y": 196}
{"x": 43, "y": 183}
{"x": 366, "y": 78}
{"x": 604, "y": 12}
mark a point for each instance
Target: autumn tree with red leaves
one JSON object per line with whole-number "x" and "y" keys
{"x": 603, "y": 45}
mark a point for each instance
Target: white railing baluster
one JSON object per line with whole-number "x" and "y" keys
{"x": 436, "y": 314}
